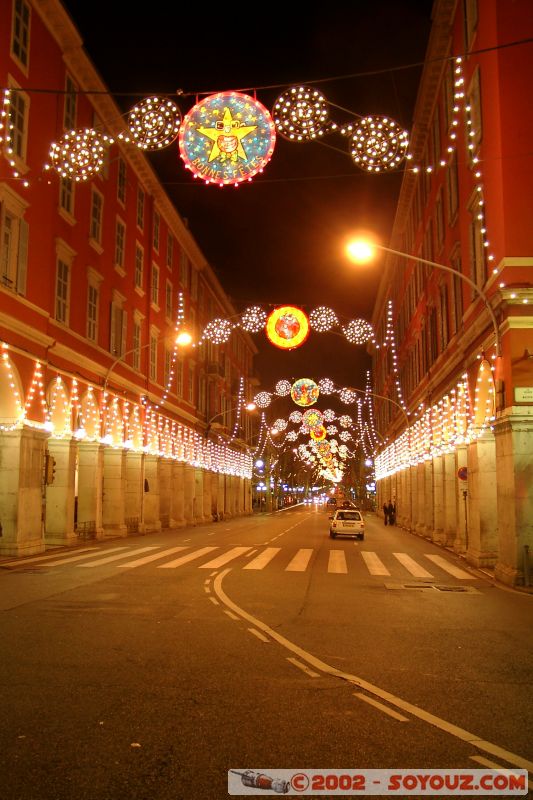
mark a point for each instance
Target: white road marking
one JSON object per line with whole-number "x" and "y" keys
{"x": 457, "y": 572}
{"x": 62, "y": 561}
{"x": 383, "y": 694}
{"x": 20, "y": 562}
{"x": 214, "y": 601}
{"x": 486, "y": 762}
{"x": 259, "y": 635}
{"x": 377, "y": 704}
{"x": 304, "y": 668}
{"x": 263, "y": 558}
{"x": 300, "y": 561}
{"x": 109, "y": 559}
{"x": 185, "y": 559}
{"x": 411, "y": 566}
{"x": 231, "y": 614}
{"x": 337, "y": 562}
{"x": 138, "y": 562}
{"x": 374, "y": 564}
{"x": 235, "y": 552}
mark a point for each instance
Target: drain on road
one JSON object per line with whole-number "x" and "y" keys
{"x": 433, "y": 587}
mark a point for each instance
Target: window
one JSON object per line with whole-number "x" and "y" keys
{"x": 168, "y": 299}
{"x": 153, "y": 356}
{"x": 168, "y": 367}
{"x": 13, "y": 241}
{"x": 478, "y": 269}
{"x": 97, "y": 207}
{"x": 474, "y": 119}
{"x": 136, "y": 357}
{"x": 121, "y": 181}
{"x": 470, "y": 8}
{"x": 184, "y": 269}
{"x": 191, "y": 384}
{"x": 456, "y": 292}
{"x": 452, "y": 188}
{"x": 92, "y": 313}
{"x": 170, "y": 250}
{"x": 70, "y": 107}
{"x": 18, "y": 125}
{"x": 157, "y": 229}
{"x": 118, "y": 324}
{"x": 179, "y": 377}
{"x": 436, "y": 137}
{"x": 154, "y": 296}
{"x": 439, "y": 223}
{"x": 62, "y": 291}
{"x": 139, "y": 260}
{"x": 140, "y": 209}
{"x": 66, "y": 196}
{"x": 20, "y": 34}
{"x": 444, "y": 333}
{"x": 120, "y": 244}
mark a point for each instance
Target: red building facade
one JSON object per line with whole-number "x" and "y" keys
{"x": 458, "y": 365}
{"x": 96, "y": 278}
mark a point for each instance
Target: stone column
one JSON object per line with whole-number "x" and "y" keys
{"x": 177, "y": 495}
{"x": 514, "y": 481}
{"x": 419, "y": 510}
{"x": 59, "y": 518}
{"x": 450, "y": 500}
{"x": 21, "y": 491}
{"x": 221, "y": 495}
{"x": 189, "y": 496}
{"x": 90, "y": 487}
{"x": 207, "y": 505}
{"x": 247, "y": 496}
{"x": 429, "y": 510}
{"x": 199, "y": 515}
{"x": 114, "y": 494}
{"x": 462, "y": 502}
{"x": 134, "y": 491}
{"x": 151, "y": 513}
{"x": 483, "y": 527}
{"x": 438, "y": 499}
{"x": 164, "y": 492}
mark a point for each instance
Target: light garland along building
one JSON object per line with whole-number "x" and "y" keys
{"x": 461, "y": 470}
{"x": 104, "y": 422}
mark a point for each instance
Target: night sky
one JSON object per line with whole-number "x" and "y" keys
{"x": 278, "y": 240}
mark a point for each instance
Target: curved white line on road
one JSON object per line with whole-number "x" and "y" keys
{"x": 317, "y": 663}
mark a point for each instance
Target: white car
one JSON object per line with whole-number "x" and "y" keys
{"x": 347, "y": 522}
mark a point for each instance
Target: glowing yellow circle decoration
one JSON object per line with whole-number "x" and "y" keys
{"x": 304, "y": 392}
{"x": 287, "y": 327}
{"x": 318, "y": 433}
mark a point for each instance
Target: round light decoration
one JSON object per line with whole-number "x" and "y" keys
{"x": 326, "y": 386}
{"x": 329, "y": 415}
{"x": 318, "y": 434}
{"x": 79, "y": 154}
{"x": 295, "y": 416}
{"x": 347, "y": 396}
{"x": 332, "y": 430}
{"x": 287, "y": 327}
{"x": 312, "y": 417}
{"x": 280, "y": 424}
{"x": 345, "y": 421}
{"x": 345, "y": 436}
{"x": 378, "y": 144}
{"x": 283, "y": 388}
{"x": 227, "y": 138}
{"x": 253, "y": 319}
{"x": 304, "y": 392}
{"x": 154, "y": 123}
{"x": 262, "y": 400}
{"x": 218, "y": 331}
{"x": 358, "y": 331}
{"x": 292, "y": 436}
{"x": 301, "y": 114}
{"x": 323, "y": 319}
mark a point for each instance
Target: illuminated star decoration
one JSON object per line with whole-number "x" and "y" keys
{"x": 227, "y": 138}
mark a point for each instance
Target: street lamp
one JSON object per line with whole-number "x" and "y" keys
{"x": 362, "y": 250}
{"x": 247, "y": 407}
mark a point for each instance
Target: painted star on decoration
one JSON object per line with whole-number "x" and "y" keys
{"x": 227, "y": 138}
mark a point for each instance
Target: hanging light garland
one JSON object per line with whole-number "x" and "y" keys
{"x": 153, "y": 123}
{"x": 301, "y": 114}
{"x": 378, "y": 144}
{"x": 253, "y": 319}
{"x": 358, "y": 331}
{"x": 323, "y": 319}
{"x": 79, "y": 154}
{"x": 283, "y": 388}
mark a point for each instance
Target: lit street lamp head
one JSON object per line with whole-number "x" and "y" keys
{"x": 360, "y": 250}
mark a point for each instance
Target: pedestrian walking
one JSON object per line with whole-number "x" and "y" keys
{"x": 385, "y": 513}
{"x": 391, "y": 512}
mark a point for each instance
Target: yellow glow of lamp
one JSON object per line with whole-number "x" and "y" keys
{"x": 287, "y": 327}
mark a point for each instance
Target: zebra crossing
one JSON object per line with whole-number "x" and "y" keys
{"x": 337, "y": 562}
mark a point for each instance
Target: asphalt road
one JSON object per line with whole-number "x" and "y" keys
{"x": 148, "y": 667}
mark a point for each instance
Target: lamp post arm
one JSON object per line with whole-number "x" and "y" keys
{"x": 457, "y": 274}
{"x": 121, "y": 358}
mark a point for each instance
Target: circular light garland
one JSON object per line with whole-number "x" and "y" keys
{"x": 312, "y": 417}
{"x": 323, "y": 319}
{"x": 296, "y": 416}
{"x": 345, "y": 421}
{"x": 326, "y": 386}
{"x": 358, "y": 331}
{"x": 227, "y": 138}
{"x": 347, "y": 396}
{"x": 318, "y": 434}
{"x": 332, "y": 430}
{"x": 345, "y": 436}
{"x": 283, "y": 388}
{"x": 379, "y": 143}
{"x": 262, "y": 400}
{"x": 329, "y": 415}
{"x": 79, "y": 154}
{"x": 291, "y": 436}
{"x": 280, "y": 424}
{"x": 218, "y": 331}
{"x": 154, "y": 123}
{"x": 301, "y": 114}
{"x": 287, "y": 327}
{"x": 253, "y": 319}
